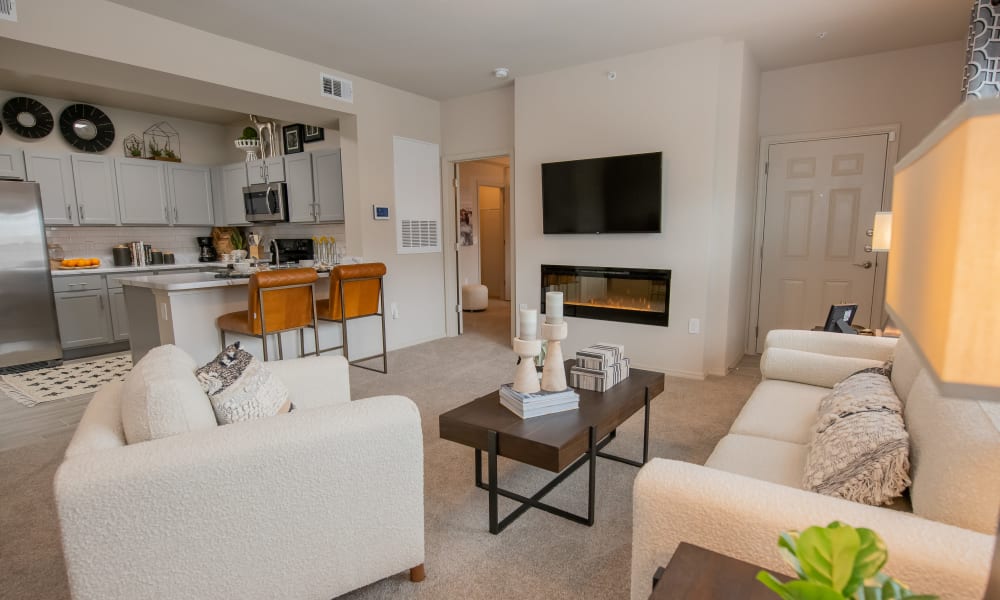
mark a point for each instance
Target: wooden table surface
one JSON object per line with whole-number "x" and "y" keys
{"x": 695, "y": 573}
{"x": 553, "y": 441}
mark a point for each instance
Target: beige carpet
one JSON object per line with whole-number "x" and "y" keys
{"x": 539, "y": 556}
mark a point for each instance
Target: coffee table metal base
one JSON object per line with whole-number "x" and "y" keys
{"x": 593, "y": 451}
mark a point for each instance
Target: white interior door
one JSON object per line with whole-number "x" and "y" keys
{"x": 491, "y": 240}
{"x": 820, "y": 203}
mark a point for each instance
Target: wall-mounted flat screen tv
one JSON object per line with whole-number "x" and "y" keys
{"x": 614, "y": 194}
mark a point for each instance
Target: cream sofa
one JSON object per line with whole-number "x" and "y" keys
{"x": 750, "y": 488}
{"x": 307, "y": 505}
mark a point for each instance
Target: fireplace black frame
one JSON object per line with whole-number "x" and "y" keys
{"x": 601, "y": 313}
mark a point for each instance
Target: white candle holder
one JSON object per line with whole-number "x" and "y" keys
{"x": 554, "y": 371}
{"x": 526, "y": 377}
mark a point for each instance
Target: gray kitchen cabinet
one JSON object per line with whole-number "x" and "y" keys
{"x": 299, "y": 180}
{"x": 266, "y": 170}
{"x": 53, "y": 173}
{"x": 94, "y": 184}
{"x": 189, "y": 193}
{"x": 234, "y": 179}
{"x": 142, "y": 192}
{"x": 328, "y": 185}
{"x": 84, "y": 318}
{"x": 11, "y": 163}
{"x": 119, "y": 317}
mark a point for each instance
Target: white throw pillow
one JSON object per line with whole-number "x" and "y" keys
{"x": 161, "y": 397}
{"x": 241, "y": 388}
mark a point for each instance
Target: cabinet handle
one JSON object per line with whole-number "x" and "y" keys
{"x": 69, "y": 212}
{"x": 166, "y": 214}
{"x": 82, "y": 213}
{"x": 100, "y": 302}
{"x": 176, "y": 216}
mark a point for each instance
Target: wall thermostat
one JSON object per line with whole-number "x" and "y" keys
{"x": 380, "y": 213}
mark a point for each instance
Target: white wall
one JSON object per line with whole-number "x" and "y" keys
{"x": 472, "y": 174}
{"x": 663, "y": 100}
{"x": 916, "y": 88}
{"x": 201, "y": 143}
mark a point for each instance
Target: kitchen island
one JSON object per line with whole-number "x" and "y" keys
{"x": 182, "y": 309}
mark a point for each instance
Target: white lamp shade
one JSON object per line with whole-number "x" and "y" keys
{"x": 943, "y": 284}
{"x": 882, "y": 232}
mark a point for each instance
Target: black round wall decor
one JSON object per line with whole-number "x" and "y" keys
{"x": 27, "y": 117}
{"x": 86, "y": 127}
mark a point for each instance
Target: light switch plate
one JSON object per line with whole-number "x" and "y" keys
{"x": 694, "y": 325}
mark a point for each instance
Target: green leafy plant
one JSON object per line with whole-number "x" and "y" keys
{"x": 169, "y": 153}
{"x": 237, "y": 240}
{"x": 154, "y": 149}
{"x": 836, "y": 562}
{"x": 249, "y": 133}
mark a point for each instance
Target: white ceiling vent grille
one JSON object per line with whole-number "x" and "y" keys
{"x": 8, "y": 10}
{"x": 332, "y": 87}
{"x": 419, "y": 234}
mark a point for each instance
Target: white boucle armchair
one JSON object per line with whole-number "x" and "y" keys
{"x": 307, "y": 505}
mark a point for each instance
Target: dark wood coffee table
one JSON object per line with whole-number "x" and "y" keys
{"x": 561, "y": 442}
{"x": 695, "y": 573}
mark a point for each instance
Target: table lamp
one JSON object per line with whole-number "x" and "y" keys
{"x": 943, "y": 282}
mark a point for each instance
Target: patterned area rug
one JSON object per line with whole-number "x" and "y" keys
{"x": 66, "y": 381}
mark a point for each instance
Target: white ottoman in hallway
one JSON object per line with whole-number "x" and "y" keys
{"x": 475, "y": 297}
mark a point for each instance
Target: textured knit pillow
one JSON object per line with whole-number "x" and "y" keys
{"x": 241, "y": 388}
{"x": 861, "y": 451}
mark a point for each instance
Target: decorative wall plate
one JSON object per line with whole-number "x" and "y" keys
{"x": 86, "y": 127}
{"x": 28, "y": 117}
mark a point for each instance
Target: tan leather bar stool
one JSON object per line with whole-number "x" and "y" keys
{"x": 356, "y": 292}
{"x": 278, "y": 301}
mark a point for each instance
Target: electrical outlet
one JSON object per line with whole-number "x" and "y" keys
{"x": 394, "y": 310}
{"x": 694, "y": 325}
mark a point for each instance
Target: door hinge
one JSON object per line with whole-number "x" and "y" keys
{"x": 454, "y": 182}
{"x": 892, "y": 136}
{"x": 458, "y": 308}
{"x": 458, "y": 247}
{"x": 756, "y": 332}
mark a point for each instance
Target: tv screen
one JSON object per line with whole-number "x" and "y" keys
{"x": 615, "y": 194}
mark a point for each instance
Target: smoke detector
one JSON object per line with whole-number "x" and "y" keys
{"x": 501, "y": 72}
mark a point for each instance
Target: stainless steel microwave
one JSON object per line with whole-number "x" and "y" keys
{"x": 266, "y": 202}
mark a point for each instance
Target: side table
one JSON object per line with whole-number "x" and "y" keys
{"x": 695, "y": 573}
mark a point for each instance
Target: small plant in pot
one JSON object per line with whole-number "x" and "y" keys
{"x": 155, "y": 151}
{"x": 834, "y": 563}
{"x": 169, "y": 154}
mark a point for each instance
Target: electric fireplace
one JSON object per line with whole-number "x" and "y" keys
{"x": 610, "y": 293}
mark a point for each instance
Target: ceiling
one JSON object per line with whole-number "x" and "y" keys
{"x": 442, "y": 49}
{"x": 104, "y": 96}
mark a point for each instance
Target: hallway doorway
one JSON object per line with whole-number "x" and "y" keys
{"x": 482, "y": 208}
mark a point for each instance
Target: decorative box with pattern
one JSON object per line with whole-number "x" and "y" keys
{"x": 600, "y": 356}
{"x": 599, "y": 380}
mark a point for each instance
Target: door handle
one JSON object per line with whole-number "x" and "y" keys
{"x": 865, "y": 265}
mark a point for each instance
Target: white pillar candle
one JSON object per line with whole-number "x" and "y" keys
{"x": 554, "y": 307}
{"x": 529, "y": 324}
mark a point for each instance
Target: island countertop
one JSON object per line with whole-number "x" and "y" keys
{"x": 107, "y": 270}
{"x": 186, "y": 281}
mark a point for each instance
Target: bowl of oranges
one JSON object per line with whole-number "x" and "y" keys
{"x": 80, "y": 263}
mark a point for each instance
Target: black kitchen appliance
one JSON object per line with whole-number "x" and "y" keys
{"x": 207, "y": 252}
{"x": 290, "y": 250}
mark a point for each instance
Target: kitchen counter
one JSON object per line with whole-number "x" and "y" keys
{"x": 56, "y": 272}
{"x": 186, "y": 281}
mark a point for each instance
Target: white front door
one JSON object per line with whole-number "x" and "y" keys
{"x": 820, "y": 203}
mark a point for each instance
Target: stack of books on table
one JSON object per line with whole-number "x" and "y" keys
{"x": 599, "y": 367}
{"x": 538, "y": 403}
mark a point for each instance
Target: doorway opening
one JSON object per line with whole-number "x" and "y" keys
{"x": 482, "y": 208}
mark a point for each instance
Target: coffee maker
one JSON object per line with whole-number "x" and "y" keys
{"x": 207, "y": 253}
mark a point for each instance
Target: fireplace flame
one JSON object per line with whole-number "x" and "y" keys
{"x": 638, "y": 304}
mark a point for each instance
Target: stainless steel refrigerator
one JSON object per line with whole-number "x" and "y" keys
{"x": 29, "y": 331}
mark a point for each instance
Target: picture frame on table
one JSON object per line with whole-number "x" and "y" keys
{"x": 312, "y": 133}
{"x": 292, "y": 136}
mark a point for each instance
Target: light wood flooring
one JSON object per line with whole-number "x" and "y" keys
{"x": 22, "y": 425}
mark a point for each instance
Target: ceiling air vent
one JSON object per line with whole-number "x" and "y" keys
{"x": 8, "y": 10}
{"x": 333, "y": 87}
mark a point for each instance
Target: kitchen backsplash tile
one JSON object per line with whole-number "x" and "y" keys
{"x": 97, "y": 242}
